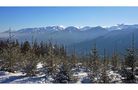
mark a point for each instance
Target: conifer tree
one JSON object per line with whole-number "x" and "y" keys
{"x": 73, "y": 60}
{"x": 25, "y": 47}
{"x": 11, "y": 54}
{"x": 11, "y": 57}
{"x": 95, "y": 65}
{"x": 115, "y": 61}
{"x": 49, "y": 61}
{"x": 35, "y": 48}
{"x": 104, "y": 76}
{"x": 130, "y": 60}
{"x": 63, "y": 75}
{"x": 95, "y": 60}
{"x": 29, "y": 63}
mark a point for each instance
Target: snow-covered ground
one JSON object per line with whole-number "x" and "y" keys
{"x": 18, "y": 77}
{"x": 79, "y": 72}
{"x": 5, "y": 77}
{"x": 80, "y": 76}
{"x": 114, "y": 77}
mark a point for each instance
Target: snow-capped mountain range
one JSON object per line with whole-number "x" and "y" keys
{"x": 55, "y": 28}
{"x": 74, "y": 28}
{"x": 81, "y": 38}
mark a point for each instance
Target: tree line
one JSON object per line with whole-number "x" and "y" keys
{"x": 25, "y": 56}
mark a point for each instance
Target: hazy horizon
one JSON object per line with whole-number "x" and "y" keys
{"x": 29, "y": 17}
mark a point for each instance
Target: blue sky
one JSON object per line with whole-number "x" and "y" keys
{"x": 24, "y": 17}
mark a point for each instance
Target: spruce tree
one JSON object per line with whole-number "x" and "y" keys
{"x": 29, "y": 63}
{"x": 104, "y": 76}
{"x": 25, "y": 47}
{"x": 73, "y": 60}
{"x": 95, "y": 60}
{"x": 49, "y": 60}
{"x": 130, "y": 60}
{"x": 95, "y": 65}
{"x": 11, "y": 54}
{"x": 11, "y": 57}
{"x": 115, "y": 61}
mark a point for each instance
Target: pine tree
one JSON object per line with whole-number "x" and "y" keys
{"x": 49, "y": 60}
{"x": 115, "y": 61}
{"x": 25, "y": 47}
{"x": 95, "y": 60}
{"x": 35, "y": 48}
{"x": 11, "y": 57}
{"x": 104, "y": 76}
{"x": 73, "y": 60}
{"x": 11, "y": 54}
{"x": 29, "y": 63}
{"x": 63, "y": 75}
{"x": 130, "y": 63}
{"x": 95, "y": 64}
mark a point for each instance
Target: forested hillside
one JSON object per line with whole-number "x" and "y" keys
{"x": 50, "y": 63}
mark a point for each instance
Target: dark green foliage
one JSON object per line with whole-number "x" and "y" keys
{"x": 94, "y": 57}
{"x": 29, "y": 62}
{"x": 59, "y": 65}
{"x": 11, "y": 56}
{"x": 25, "y": 47}
{"x": 115, "y": 61}
{"x": 104, "y": 75}
{"x": 129, "y": 69}
{"x": 130, "y": 61}
{"x": 63, "y": 75}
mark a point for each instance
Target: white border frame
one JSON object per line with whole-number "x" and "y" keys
{"x": 68, "y": 2}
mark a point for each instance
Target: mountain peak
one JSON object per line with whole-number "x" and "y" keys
{"x": 75, "y": 29}
{"x": 71, "y": 28}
